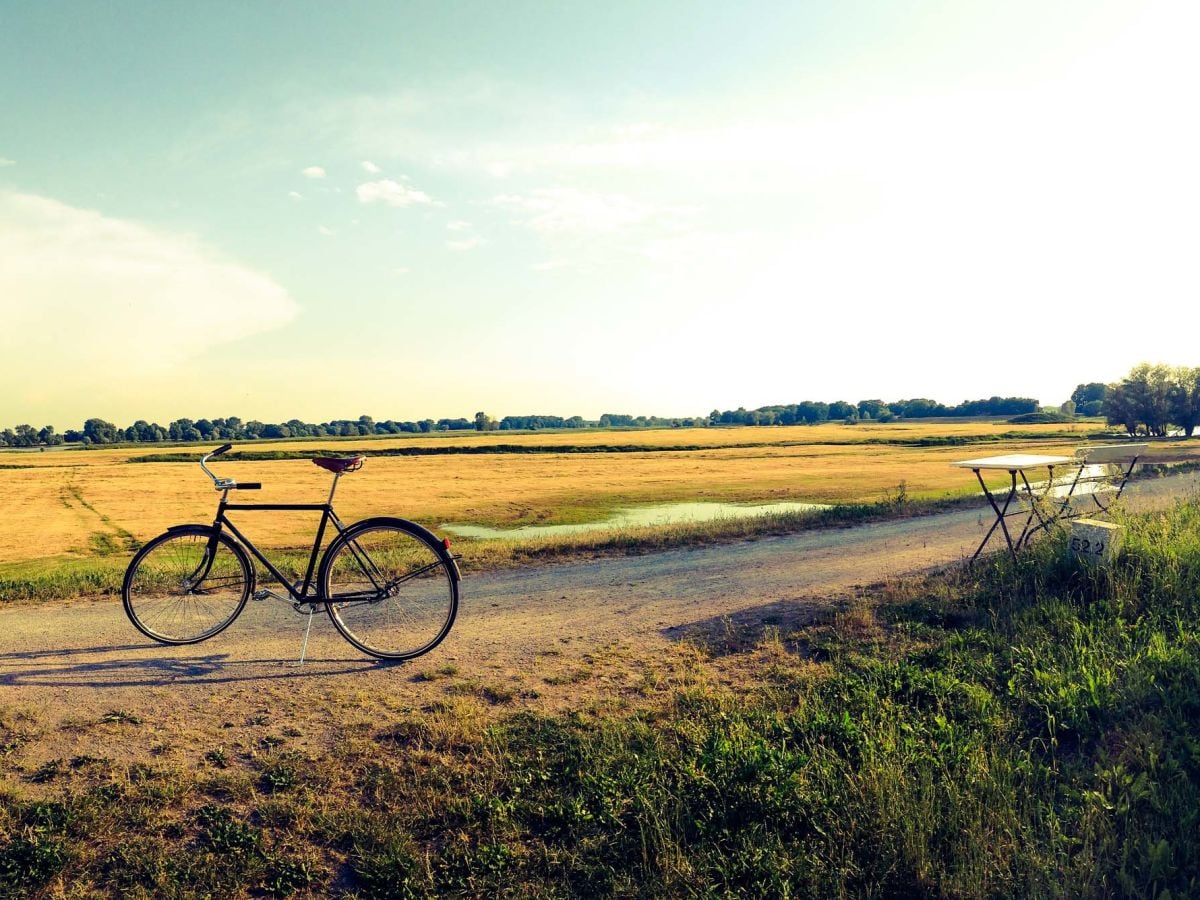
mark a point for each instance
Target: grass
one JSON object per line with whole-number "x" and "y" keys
{"x": 68, "y": 577}
{"x": 1019, "y": 729}
{"x": 87, "y": 504}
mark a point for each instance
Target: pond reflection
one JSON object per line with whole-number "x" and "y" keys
{"x": 667, "y": 514}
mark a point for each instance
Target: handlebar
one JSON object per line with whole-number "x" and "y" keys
{"x": 225, "y": 484}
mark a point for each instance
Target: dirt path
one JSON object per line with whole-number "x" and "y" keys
{"x": 525, "y": 637}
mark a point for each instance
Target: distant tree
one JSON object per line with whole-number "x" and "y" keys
{"x": 1089, "y": 393}
{"x": 611, "y": 420}
{"x": 1183, "y": 399}
{"x": 840, "y": 409}
{"x": 1148, "y": 387}
{"x": 1148, "y": 399}
{"x": 920, "y": 408}
{"x": 177, "y": 429}
{"x": 812, "y": 411}
{"x": 1121, "y": 409}
{"x": 1068, "y": 408}
{"x": 98, "y": 431}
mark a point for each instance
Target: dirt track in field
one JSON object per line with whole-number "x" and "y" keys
{"x": 549, "y": 637}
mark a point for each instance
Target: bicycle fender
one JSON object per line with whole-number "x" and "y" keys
{"x": 415, "y": 528}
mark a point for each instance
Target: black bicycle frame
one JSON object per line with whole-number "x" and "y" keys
{"x": 327, "y": 516}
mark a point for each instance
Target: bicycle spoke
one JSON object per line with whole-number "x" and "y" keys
{"x": 390, "y": 592}
{"x": 185, "y": 586}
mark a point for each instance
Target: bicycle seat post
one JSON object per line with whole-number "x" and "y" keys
{"x": 333, "y": 488}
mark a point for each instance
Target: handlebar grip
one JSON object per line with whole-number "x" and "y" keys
{"x": 221, "y": 450}
{"x": 250, "y": 486}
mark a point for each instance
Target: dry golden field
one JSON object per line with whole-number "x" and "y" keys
{"x": 76, "y": 503}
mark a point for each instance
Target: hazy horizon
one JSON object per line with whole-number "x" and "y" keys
{"x": 496, "y": 414}
{"x": 426, "y": 210}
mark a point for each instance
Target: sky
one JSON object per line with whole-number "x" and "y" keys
{"x": 412, "y": 210}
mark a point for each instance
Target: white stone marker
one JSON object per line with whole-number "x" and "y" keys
{"x": 1094, "y": 541}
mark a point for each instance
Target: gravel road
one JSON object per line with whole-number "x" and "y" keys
{"x": 75, "y": 661}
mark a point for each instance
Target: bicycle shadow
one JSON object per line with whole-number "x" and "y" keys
{"x": 61, "y": 651}
{"x": 160, "y": 671}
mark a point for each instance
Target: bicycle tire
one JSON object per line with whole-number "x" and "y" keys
{"x": 390, "y": 588}
{"x": 175, "y": 593}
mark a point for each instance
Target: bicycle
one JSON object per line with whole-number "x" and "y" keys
{"x": 390, "y": 587}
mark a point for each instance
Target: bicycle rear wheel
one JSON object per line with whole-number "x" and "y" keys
{"x": 391, "y": 588}
{"x": 186, "y": 585}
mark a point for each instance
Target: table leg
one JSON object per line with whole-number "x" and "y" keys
{"x": 1000, "y": 513}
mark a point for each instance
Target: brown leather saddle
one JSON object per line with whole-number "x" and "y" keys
{"x": 340, "y": 465}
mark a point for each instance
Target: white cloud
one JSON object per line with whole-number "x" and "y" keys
{"x": 97, "y": 297}
{"x": 466, "y": 244}
{"x": 392, "y": 193}
{"x": 550, "y": 265}
{"x": 458, "y": 225}
{"x": 553, "y": 210}
{"x": 402, "y": 270}
{"x": 370, "y": 168}
{"x": 326, "y": 231}
{"x": 4, "y": 161}
{"x": 295, "y": 195}
{"x": 313, "y": 172}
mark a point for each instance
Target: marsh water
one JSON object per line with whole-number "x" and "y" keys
{"x": 666, "y": 514}
{"x": 676, "y": 513}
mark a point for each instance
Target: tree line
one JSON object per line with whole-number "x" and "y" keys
{"x": 233, "y": 428}
{"x": 97, "y": 431}
{"x": 810, "y": 412}
{"x": 484, "y": 422}
{"x": 1150, "y": 400}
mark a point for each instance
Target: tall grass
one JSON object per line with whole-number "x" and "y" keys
{"x": 57, "y": 579}
{"x": 1027, "y": 728}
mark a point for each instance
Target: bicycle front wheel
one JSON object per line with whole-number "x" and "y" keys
{"x": 186, "y": 585}
{"x": 391, "y": 588}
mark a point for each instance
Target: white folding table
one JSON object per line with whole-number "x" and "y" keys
{"x": 1017, "y": 464}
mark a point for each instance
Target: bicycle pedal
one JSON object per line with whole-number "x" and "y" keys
{"x": 262, "y": 595}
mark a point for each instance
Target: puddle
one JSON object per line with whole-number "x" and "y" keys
{"x": 668, "y": 514}
{"x": 1062, "y": 483}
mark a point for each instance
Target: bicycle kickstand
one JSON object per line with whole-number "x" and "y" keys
{"x": 308, "y": 628}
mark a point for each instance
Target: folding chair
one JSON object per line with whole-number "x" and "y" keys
{"x": 1102, "y": 474}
